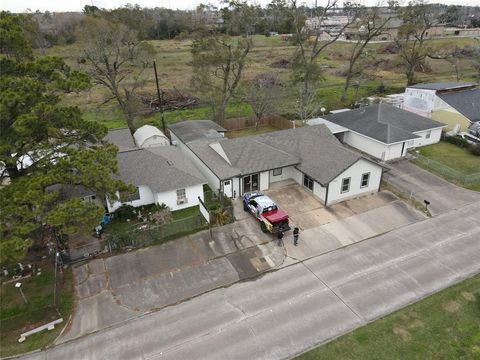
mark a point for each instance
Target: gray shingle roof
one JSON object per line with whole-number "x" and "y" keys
{"x": 466, "y": 102}
{"x": 161, "y": 169}
{"x": 442, "y": 86}
{"x": 385, "y": 123}
{"x": 312, "y": 149}
{"x": 188, "y": 131}
{"x": 120, "y": 137}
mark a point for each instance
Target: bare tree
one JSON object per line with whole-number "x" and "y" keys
{"x": 218, "y": 64}
{"x": 262, "y": 95}
{"x": 116, "y": 60}
{"x": 417, "y": 18}
{"x": 308, "y": 104}
{"x": 370, "y": 24}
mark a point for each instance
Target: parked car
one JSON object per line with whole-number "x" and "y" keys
{"x": 264, "y": 209}
{"x": 474, "y": 129}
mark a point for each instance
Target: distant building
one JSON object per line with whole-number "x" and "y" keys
{"x": 451, "y": 103}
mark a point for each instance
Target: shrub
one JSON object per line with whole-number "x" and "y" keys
{"x": 456, "y": 140}
{"x": 475, "y": 149}
{"x": 125, "y": 212}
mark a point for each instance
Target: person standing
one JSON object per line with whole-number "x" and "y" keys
{"x": 280, "y": 237}
{"x": 295, "y": 236}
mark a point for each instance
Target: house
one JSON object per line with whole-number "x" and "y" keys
{"x": 161, "y": 175}
{"x": 312, "y": 156}
{"x": 148, "y": 136}
{"x": 383, "y": 131}
{"x": 450, "y": 103}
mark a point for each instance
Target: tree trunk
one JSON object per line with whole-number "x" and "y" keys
{"x": 345, "y": 88}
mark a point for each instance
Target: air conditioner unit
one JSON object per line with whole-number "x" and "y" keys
{"x": 181, "y": 201}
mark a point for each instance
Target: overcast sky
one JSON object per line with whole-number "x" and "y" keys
{"x": 71, "y": 5}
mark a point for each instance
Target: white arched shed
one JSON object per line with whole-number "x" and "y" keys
{"x": 150, "y": 136}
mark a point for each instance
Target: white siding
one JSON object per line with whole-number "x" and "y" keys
{"x": 372, "y": 147}
{"x": 423, "y": 141}
{"x": 355, "y": 172}
{"x": 264, "y": 180}
{"x": 287, "y": 173}
{"x": 169, "y": 198}
{"x": 237, "y": 190}
{"x": 146, "y": 197}
{"x": 419, "y": 101}
{"x": 319, "y": 191}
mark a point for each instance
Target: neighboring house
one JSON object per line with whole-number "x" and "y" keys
{"x": 149, "y": 136}
{"x": 122, "y": 138}
{"x": 311, "y": 156}
{"x": 161, "y": 175}
{"x": 383, "y": 131}
{"x": 450, "y": 103}
{"x": 70, "y": 191}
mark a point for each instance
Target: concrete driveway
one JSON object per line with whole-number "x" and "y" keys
{"x": 423, "y": 185}
{"x": 286, "y": 312}
{"x": 306, "y": 211}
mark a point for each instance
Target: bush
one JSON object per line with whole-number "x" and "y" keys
{"x": 124, "y": 213}
{"x": 475, "y": 149}
{"x": 456, "y": 140}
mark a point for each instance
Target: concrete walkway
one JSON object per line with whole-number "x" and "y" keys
{"x": 286, "y": 312}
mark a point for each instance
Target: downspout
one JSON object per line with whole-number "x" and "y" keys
{"x": 326, "y": 195}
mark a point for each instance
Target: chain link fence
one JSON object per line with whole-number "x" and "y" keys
{"x": 447, "y": 172}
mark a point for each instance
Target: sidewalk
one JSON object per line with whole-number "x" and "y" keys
{"x": 118, "y": 288}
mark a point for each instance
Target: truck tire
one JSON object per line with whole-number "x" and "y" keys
{"x": 263, "y": 227}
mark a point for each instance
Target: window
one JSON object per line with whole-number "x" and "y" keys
{"x": 126, "y": 196}
{"x": 308, "y": 182}
{"x": 277, "y": 172}
{"x": 365, "y": 180}
{"x": 345, "y": 185}
{"x": 427, "y": 136}
{"x": 181, "y": 196}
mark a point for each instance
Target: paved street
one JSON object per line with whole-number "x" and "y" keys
{"x": 300, "y": 306}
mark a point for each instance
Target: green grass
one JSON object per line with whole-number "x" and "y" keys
{"x": 443, "y": 326}
{"x": 18, "y": 317}
{"x": 185, "y": 213}
{"x": 454, "y": 157}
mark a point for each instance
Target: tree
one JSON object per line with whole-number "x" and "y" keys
{"x": 369, "y": 25}
{"x": 417, "y": 18}
{"x": 43, "y": 144}
{"x": 307, "y": 72}
{"x": 116, "y": 60}
{"x": 262, "y": 95}
{"x": 218, "y": 64}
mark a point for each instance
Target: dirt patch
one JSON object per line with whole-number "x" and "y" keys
{"x": 469, "y": 296}
{"x": 416, "y": 324}
{"x": 452, "y": 306}
{"x": 403, "y": 333}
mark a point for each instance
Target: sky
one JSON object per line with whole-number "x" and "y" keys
{"x": 75, "y": 5}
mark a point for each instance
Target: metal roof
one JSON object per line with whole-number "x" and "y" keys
{"x": 439, "y": 86}
{"x": 145, "y": 132}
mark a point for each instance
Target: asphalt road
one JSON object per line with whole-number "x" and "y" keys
{"x": 298, "y": 307}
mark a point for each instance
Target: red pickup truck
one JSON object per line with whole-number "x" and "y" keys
{"x": 270, "y": 216}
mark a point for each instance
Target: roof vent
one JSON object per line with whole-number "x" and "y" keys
{"x": 169, "y": 163}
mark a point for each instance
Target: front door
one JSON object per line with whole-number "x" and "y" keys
{"x": 250, "y": 183}
{"x": 227, "y": 188}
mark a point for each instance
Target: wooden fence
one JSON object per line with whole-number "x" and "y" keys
{"x": 249, "y": 122}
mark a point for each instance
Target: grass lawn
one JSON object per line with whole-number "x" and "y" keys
{"x": 443, "y": 326}
{"x": 454, "y": 157}
{"x": 17, "y": 317}
{"x": 251, "y": 131}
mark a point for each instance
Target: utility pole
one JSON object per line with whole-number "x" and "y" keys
{"x": 160, "y": 98}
